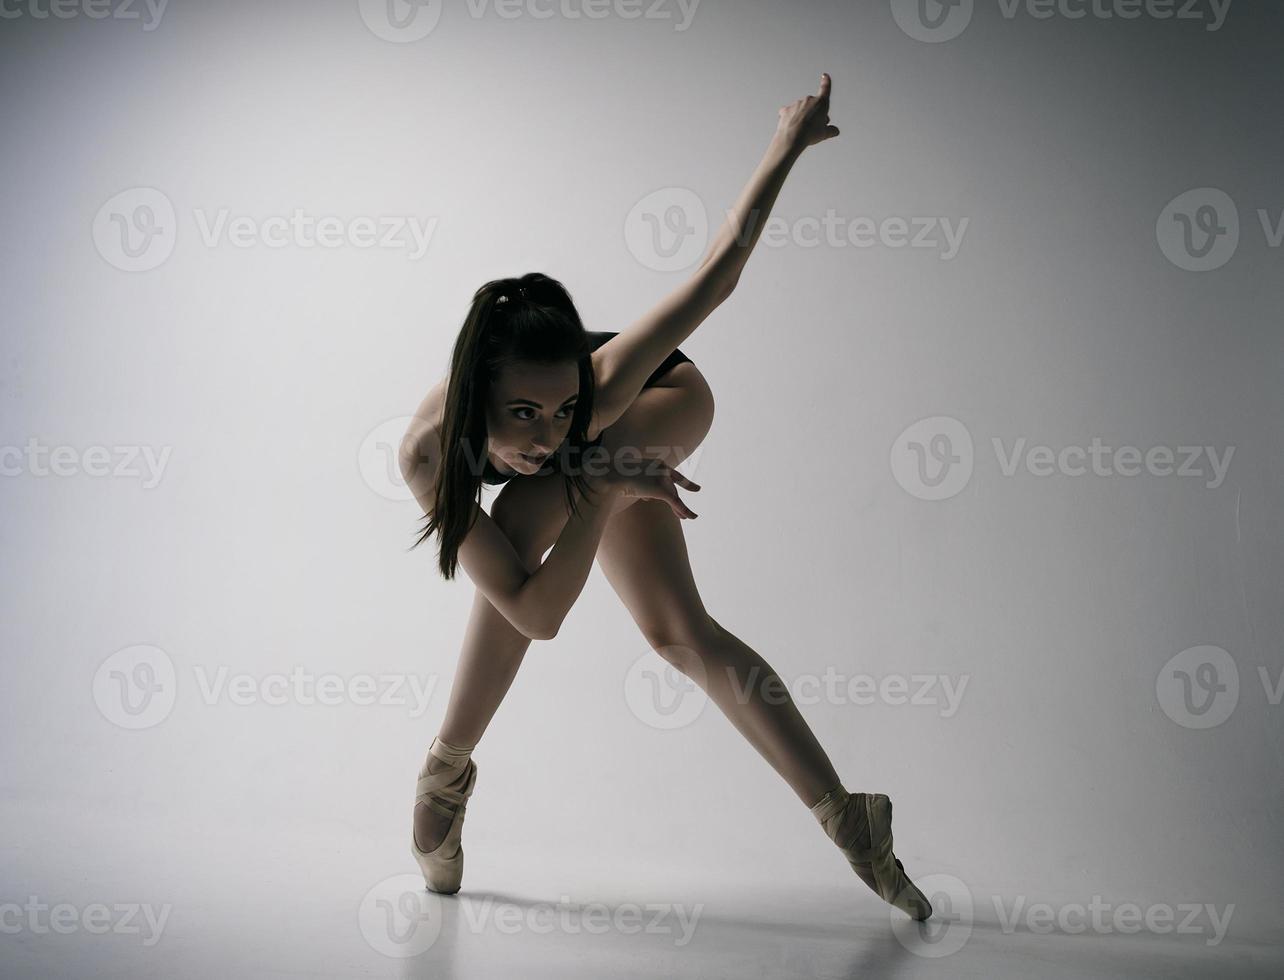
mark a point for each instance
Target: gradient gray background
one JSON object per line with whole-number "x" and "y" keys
{"x": 1061, "y": 599}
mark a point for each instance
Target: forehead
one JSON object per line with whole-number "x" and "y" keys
{"x": 548, "y": 384}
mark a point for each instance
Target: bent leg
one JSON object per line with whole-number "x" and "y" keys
{"x": 644, "y": 556}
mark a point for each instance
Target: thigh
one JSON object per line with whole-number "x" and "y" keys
{"x": 644, "y": 556}
{"x": 668, "y": 421}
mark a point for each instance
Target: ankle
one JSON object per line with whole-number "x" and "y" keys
{"x": 827, "y": 801}
{"x": 446, "y": 755}
{"x": 834, "y": 789}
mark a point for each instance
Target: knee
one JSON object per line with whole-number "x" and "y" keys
{"x": 680, "y": 638}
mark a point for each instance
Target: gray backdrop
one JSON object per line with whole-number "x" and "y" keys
{"x": 994, "y": 481}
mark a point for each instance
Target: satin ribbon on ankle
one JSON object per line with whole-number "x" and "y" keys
{"x": 829, "y": 804}
{"x": 452, "y": 755}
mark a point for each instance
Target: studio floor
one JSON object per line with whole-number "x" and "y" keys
{"x": 248, "y": 904}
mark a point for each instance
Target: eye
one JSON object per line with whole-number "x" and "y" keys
{"x": 564, "y": 413}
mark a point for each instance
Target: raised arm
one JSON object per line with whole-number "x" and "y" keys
{"x": 623, "y": 364}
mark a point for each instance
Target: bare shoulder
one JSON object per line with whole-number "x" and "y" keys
{"x": 420, "y": 450}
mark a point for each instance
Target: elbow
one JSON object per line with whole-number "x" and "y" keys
{"x": 542, "y": 631}
{"x": 725, "y": 286}
{"x": 534, "y": 616}
{"x": 719, "y": 281}
{"x": 540, "y": 626}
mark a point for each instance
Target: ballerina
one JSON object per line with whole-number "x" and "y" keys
{"x": 559, "y": 416}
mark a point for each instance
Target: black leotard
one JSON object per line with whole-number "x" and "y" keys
{"x": 492, "y": 476}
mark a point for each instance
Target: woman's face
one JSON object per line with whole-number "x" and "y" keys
{"x": 529, "y": 414}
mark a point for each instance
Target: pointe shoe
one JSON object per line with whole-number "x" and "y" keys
{"x": 447, "y": 793}
{"x": 842, "y": 814}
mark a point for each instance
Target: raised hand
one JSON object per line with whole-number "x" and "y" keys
{"x": 805, "y": 122}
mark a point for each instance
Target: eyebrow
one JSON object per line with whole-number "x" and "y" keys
{"x": 527, "y": 401}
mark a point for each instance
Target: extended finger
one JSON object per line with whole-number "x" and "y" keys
{"x": 825, "y": 84}
{"x": 683, "y": 511}
{"x": 683, "y": 481}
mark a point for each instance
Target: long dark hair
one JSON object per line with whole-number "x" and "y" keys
{"x": 531, "y": 318}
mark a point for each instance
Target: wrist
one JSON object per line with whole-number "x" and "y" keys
{"x": 606, "y": 485}
{"x": 783, "y": 149}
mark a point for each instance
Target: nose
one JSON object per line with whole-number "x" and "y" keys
{"x": 543, "y": 441}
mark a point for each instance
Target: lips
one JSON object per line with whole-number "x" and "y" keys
{"x": 535, "y": 459}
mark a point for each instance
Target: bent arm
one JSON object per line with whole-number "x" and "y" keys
{"x": 535, "y": 603}
{"x": 623, "y": 363}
